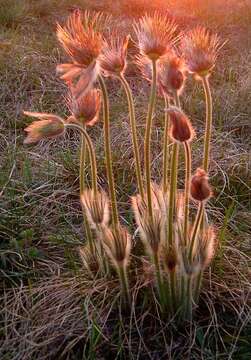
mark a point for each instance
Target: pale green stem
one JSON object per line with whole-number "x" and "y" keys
{"x": 82, "y": 187}
{"x": 147, "y": 149}
{"x": 91, "y": 153}
{"x": 166, "y": 147}
{"x": 196, "y": 229}
{"x": 209, "y": 119}
{"x": 124, "y": 284}
{"x": 198, "y": 283}
{"x": 188, "y": 160}
{"x": 108, "y": 156}
{"x": 134, "y": 134}
{"x": 159, "y": 280}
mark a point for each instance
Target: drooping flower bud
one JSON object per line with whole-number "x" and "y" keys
{"x": 171, "y": 74}
{"x": 49, "y": 126}
{"x": 181, "y": 129}
{"x": 200, "y": 189}
{"x": 85, "y": 109}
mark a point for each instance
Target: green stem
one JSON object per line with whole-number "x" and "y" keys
{"x": 159, "y": 280}
{"x": 188, "y": 160}
{"x": 124, "y": 284}
{"x": 91, "y": 153}
{"x": 189, "y": 299}
{"x": 165, "y": 147}
{"x": 147, "y": 149}
{"x": 198, "y": 283}
{"x": 209, "y": 119}
{"x": 196, "y": 229}
{"x": 108, "y": 156}
{"x": 82, "y": 187}
{"x": 134, "y": 133}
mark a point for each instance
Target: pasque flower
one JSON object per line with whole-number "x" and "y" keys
{"x": 85, "y": 109}
{"x": 156, "y": 34}
{"x": 83, "y": 42}
{"x": 200, "y": 50}
{"x": 181, "y": 129}
{"x": 48, "y": 126}
{"x": 171, "y": 74}
{"x": 96, "y": 208}
{"x": 200, "y": 189}
{"x": 113, "y": 56}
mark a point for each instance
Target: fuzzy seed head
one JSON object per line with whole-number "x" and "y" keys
{"x": 171, "y": 74}
{"x": 156, "y": 34}
{"x": 85, "y": 109}
{"x": 151, "y": 229}
{"x": 200, "y": 50}
{"x": 200, "y": 189}
{"x": 144, "y": 65}
{"x": 49, "y": 126}
{"x": 170, "y": 258}
{"x": 181, "y": 129}
{"x": 80, "y": 39}
{"x": 117, "y": 244}
{"x": 113, "y": 56}
{"x": 207, "y": 246}
{"x": 96, "y": 208}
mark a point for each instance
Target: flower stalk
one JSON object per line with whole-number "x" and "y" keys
{"x": 147, "y": 149}
{"x": 134, "y": 133}
{"x": 208, "y": 131}
{"x": 165, "y": 147}
{"x": 108, "y": 156}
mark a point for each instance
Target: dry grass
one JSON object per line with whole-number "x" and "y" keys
{"x": 50, "y": 309}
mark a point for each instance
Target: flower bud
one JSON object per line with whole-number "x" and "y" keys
{"x": 49, "y": 126}
{"x": 181, "y": 129}
{"x": 200, "y": 189}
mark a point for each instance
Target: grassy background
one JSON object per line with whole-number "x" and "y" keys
{"x": 41, "y": 222}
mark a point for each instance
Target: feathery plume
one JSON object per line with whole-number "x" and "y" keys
{"x": 49, "y": 126}
{"x": 97, "y": 208}
{"x": 181, "y": 129}
{"x": 156, "y": 34}
{"x": 83, "y": 42}
{"x": 151, "y": 229}
{"x": 117, "y": 243}
{"x": 200, "y": 50}
{"x": 113, "y": 56}
{"x": 200, "y": 189}
{"x": 85, "y": 109}
{"x": 207, "y": 246}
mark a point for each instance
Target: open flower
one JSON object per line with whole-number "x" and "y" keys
{"x": 113, "y": 56}
{"x": 200, "y": 49}
{"x": 82, "y": 41}
{"x": 200, "y": 189}
{"x": 181, "y": 129}
{"x": 48, "y": 126}
{"x": 85, "y": 109}
{"x": 156, "y": 34}
{"x": 171, "y": 74}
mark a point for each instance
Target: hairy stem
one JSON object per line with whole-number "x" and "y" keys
{"x": 196, "y": 229}
{"x": 159, "y": 280}
{"x": 188, "y": 160}
{"x": 108, "y": 156}
{"x": 165, "y": 147}
{"x": 124, "y": 284}
{"x": 208, "y": 131}
{"x": 82, "y": 187}
{"x": 134, "y": 134}
{"x": 147, "y": 149}
{"x": 91, "y": 153}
